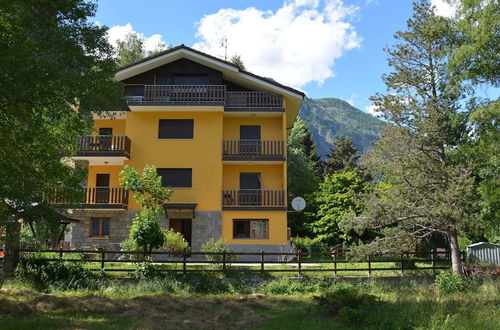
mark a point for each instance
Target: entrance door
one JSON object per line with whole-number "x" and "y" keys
{"x": 105, "y": 138}
{"x": 182, "y": 226}
{"x": 102, "y": 188}
{"x": 250, "y": 140}
{"x": 250, "y": 189}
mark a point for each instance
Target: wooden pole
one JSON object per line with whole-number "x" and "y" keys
{"x": 369, "y": 267}
{"x": 402, "y": 264}
{"x": 262, "y": 262}
{"x": 335, "y": 265}
{"x": 433, "y": 258}
{"x": 299, "y": 254}
{"x": 224, "y": 262}
{"x": 184, "y": 264}
{"x": 103, "y": 257}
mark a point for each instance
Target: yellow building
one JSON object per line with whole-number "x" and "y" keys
{"x": 216, "y": 134}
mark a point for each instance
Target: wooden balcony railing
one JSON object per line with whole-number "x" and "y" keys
{"x": 104, "y": 145}
{"x": 262, "y": 101}
{"x": 184, "y": 94}
{"x": 254, "y": 199}
{"x": 206, "y": 95}
{"x": 253, "y": 149}
{"x": 95, "y": 197}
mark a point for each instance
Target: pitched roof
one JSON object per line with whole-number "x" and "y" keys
{"x": 182, "y": 46}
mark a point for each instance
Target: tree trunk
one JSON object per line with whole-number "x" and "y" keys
{"x": 456, "y": 258}
{"x": 11, "y": 256}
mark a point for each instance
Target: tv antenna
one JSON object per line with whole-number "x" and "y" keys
{"x": 223, "y": 43}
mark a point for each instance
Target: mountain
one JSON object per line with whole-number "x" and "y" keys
{"x": 331, "y": 118}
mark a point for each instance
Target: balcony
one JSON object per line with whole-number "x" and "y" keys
{"x": 103, "y": 149}
{"x": 209, "y": 95}
{"x": 249, "y": 150}
{"x": 253, "y": 199}
{"x": 96, "y": 198}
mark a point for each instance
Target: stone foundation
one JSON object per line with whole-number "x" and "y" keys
{"x": 257, "y": 248}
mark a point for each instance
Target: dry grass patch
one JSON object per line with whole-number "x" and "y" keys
{"x": 147, "y": 312}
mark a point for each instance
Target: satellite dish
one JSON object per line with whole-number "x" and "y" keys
{"x": 298, "y": 204}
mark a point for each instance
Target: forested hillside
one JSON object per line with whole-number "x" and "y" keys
{"x": 331, "y": 118}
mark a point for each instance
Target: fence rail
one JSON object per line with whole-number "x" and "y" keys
{"x": 184, "y": 93}
{"x": 111, "y": 145}
{"x": 404, "y": 262}
{"x": 112, "y": 196}
{"x": 255, "y": 149}
{"x": 253, "y": 198}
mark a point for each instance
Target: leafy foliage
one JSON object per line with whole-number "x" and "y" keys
{"x": 236, "y": 60}
{"x": 336, "y": 198}
{"x": 132, "y": 49}
{"x": 342, "y": 156}
{"x": 429, "y": 189}
{"x": 345, "y": 303}
{"x": 217, "y": 246}
{"x": 175, "y": 243}
{"x": 147, "y": 188}
{"x": 451, "y": 282}
{"x": 146, "y": 231}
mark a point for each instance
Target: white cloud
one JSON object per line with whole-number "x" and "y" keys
{"x": 352, "y": 99}
{"x": 443, "y": 8}
{"x": 295, "y": 45}
{"x": 372, "y": 109}
{"x": 119, "y": 32}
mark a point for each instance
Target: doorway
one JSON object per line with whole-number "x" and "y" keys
{"x": 250, "y": 189}
{"x": 250, "y": 143}
{"x": 102, "y": 188}
{"x": 182, "y": 226}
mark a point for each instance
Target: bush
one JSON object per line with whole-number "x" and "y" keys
{"x": 346, "y": 302}
{"x": 450, "y": 282}
{"x": 175, "y": 244}
{"x": 288, "y": 286}
{"x": 306, "y": 244}
{"x": 43, "y": 274}
{"x": 146, "y": 271}
{"x": 217, "y": 246}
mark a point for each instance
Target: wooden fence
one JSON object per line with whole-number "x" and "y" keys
{"x": 225, "y": 260}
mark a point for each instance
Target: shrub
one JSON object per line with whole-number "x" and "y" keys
{"x": 43, "y": 274}
{"x": 146, "y": 271}
{"x": 306, "y": 244}
{"x": 345, "y": 303}
{"x": 450, "y": 282}
{"x": 217, "y": 246}
{"x": 175, "y": 244}
{"x": 146, "y": 231}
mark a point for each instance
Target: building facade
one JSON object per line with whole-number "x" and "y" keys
{"x": 216, "y": 134}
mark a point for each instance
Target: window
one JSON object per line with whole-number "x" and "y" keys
{"x": 175, "y": 129}
{"x": 108, "y": 131}
{"x": 247, "y": 228}
{"x": 176, "y": 177}
{"x": 99, "y": 227}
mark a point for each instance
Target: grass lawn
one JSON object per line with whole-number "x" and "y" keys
{"x": 146, "y": 305}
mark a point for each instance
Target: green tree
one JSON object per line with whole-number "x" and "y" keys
{"x": 303, "y": 178}
{"x": 145, "y": 231}
{"x": 57, "y": 70}
{"x": 336, "y": 198}
{"x": 343, "y": 156}
{"x": 430, "y": 191}
{"x": 475, "y": 61}
{"x": 236, "y": 60}
{"x": 131, "y": 49}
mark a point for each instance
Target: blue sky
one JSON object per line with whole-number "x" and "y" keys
{"x": 354, "y": 31}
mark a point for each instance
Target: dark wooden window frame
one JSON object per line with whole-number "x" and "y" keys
{"x": 251, "y": 227}
{"x": 166, "y": 169}
{"x": 187, "y": 137}
{"x": 101, "y": 221}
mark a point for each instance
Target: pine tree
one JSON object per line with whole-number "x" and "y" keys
{"x": 342, "y": 156}
{"x": 428, "y": 190}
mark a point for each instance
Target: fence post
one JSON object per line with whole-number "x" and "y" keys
{"x": 262, "y": 262}
{"x": 433, "y": 258}
{"x": 60, "y": 253}
{"x": 402, "y": 264}
{"x": 224, "y": 261}
{"x": 184, "y": 263}
{"x": 103, "y": 257}
{"x": 335, "y": 265}
{"x": 299, "y": 257}
{"x": 369, "y": 267}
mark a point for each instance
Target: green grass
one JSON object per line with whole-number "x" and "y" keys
{"x": 190, "y": 303}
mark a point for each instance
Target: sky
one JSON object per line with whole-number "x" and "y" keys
{"x": 326, "y": 48}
